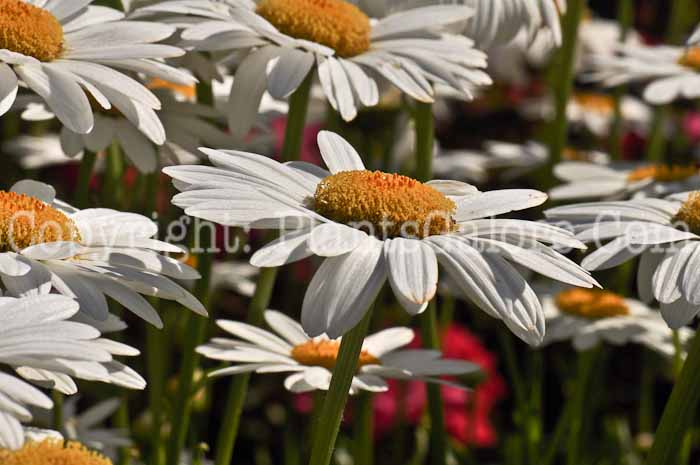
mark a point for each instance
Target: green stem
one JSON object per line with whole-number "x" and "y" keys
{"x": 438, "y": 435}
{"x": 57, "y": 398}
{"x": 625, "y": 17}
{"x": 337, "y": 396}
{"x": 296, "y": 119}
{"x": 156, "y": 376}
{"x": 680, "y": 410}
{"x": 195, "y": 331}
{"x": 677, "y": 355}
{"x": 111, "y": 192}
{"x": 425, "y": 139}
{"x": 533, "y": 419}
{"x": 82, "y": 191}
{"x": 364, "y": 430}
{"x": 558, "y": 436}
{"x": 519, "y": 391}
{"x": 122, "y": 422}
{"x": 564, "y": 82}
{"x": 657, "y": 138}
{"x": 586, "y": 363}
{"x": 239, "y": 385}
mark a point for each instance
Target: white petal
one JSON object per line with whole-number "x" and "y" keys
{"x": 289, "y": 248}
{"x": 492, "y": 203}
{"x": 388, "y": 340}
{"x": 286, "y": 327}
{"x": 333, "y": 239}
{"x": 679, "y": 313}
{"x": 413, "y": 272}
{"x": 8, "y": 88}
{"x": 289, "y": 72}
{"x": 338, "y": 154}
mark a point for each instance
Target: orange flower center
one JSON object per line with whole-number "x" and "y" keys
{"x": 663, "y": 173}
{"x": 691, "y": 58}
{"x": 26, "y": 221}
{"x": 30, "y": 30}
{"x": 188, "y": 92}
{"x": 388, "y": 205}
{"x": 598, "y": 103}
{"x": 325, "y": 354}
{"x": 591, "y": 303}
{"x": 689, "y": 213}
{"x": 337, "y": 24}
{"x": 52, "y": 452}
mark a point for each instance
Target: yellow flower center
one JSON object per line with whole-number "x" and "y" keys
{"x": 334, "y": 23}
{"x": 325, "y": 354}
{"x": 599, "y": 103}
{"x": 691, "y": 58}
{"x": 26, "y": 221}
{"x": 592, "y": 303}
{"x": 30, "y": 30}
{"x": 387, "y": 205}
{"x": 188, "y": 92}
{"x": 663, "y": 173}
{"x": 689, "y": 213}
{"x": 52, "y": 452}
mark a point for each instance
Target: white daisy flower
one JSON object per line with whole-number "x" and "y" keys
{"x": 281, "y": 41}
{"x": 588, "y": 317}
{"x": 44, "y": 347}
{"x": 371, "y": 226}
{"x": 62, "y": 49}
{"x": 593, "y": 111}
{"x": 594, "y": 181}
{"x": 86, "y": 254}
{"x": 311, "y": 360}
{"x": 672, "y": 72}
{"x": 37, "y": 152}
{"x": 52, "y": 450}
{"x": 503, "y": 160}
{"x": 186, "y": 126}
{"x": 662, "y": 232}
{"x": 236, "y": 276}
{"x": 88, "y": 427}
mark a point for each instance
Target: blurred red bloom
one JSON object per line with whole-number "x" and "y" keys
{"x": 467, "y": 414}
{"x": 309, "y": 148}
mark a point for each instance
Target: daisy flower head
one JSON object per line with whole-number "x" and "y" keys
{"x": 44, "y": 347}
{"x": 69, "y": 52}
{"x": 86, "y": 254}
{"x": 672, "y": 73}
{"x": 502, "y": 160}
{"x": 311, "y": 359}
{"x": 370, "y": 226}
{"x": 282, "y": 41}
{"x": 54, "y": 451}
{"x": 36, "y": 152}
{"x": 663, "y": 233}
{"x": 592, "y": 111}
{"x": 589, "y": 317}
{"x": 584, "y": 180}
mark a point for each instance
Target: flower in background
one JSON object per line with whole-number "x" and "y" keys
{"x": 502, "y": 160}
{"x": 664, "y": 233}
{"x": 37, "y": 152}
{"x": 467, "y": 413}
{"x": 593, "y": 111}
{"x": 65, "y": 48}
{"x": 312, "y": 360}
{"x": 672, "y": 72}
{"x": 640, "y": 179}
{"x": 281, "y": 42}
{"x": 373, "y": 226}
{"x": 45, "y": 348}
{"x": 86, "y": 254}
{"x": 588, "y": 317}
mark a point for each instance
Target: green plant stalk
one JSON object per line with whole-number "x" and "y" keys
{"x": 425, "y": 141}
{"x": 121, "y": 421}
{"x": 239, "y": 385}
{"x": 438, "y": 435}
{"x": 195, "y": 331}
{"x": 564, "y": 80}
{"x": 586, "y": 363}
{"x": 533, "y": 419}
{"x": 519, "y": 390}
{"x": 364, "y": 430}
{"x": 296, "y": 119}
{"x": 112, "y": 194}
{"x": 57, "y": 419}
{"x": 558, "y": 436}
{"x": 156, "y": 377}
{"x": 680, "y": 410}
{"x": 334, "y": 402}
{"x": 82, "y": 190}
{"x": 625, "y": 18}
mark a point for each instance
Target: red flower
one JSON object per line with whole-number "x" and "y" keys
{"x": 467, "y": 414}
